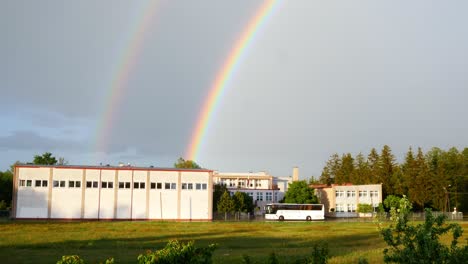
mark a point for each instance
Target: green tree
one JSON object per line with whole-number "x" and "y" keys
{"x": 361, "y": 173}
{"x": 6, "y": 187}
{"x": 345, "y": 170}
{"x": 243, "y": 202}
{"x": 45, "y": 159}
{"x": 186, "y": 164}
{"x": 422, "y": 186}
{"x": 226, "y": 204}
{"x": 385, "y": 170}
{"x": 219, "y": 190}
{"x": 392, "y": 201}
{"x": 331, "y": 170}
{"x": 364, "y": 208}
{"x": 299, "y": 192}
{"x": 420, "y": 243}
{"x": 373, "y": 161}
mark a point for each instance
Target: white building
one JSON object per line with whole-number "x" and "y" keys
{"x": 261, "y": 186}
{"x": 345, "y": 199}
{"x": 104, "y": 192}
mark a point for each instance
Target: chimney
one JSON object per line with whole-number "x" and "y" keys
{"x": 295, "y": 176}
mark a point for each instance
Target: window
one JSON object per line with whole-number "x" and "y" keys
{"x": 121, "y": 185}
{"x": 198, "y": 186}
{"x": 142, "y": 185}
{"x": 167, "y": 186}
{"x": 127, "y": 185}
{"x": 104, "y": 185}
{"x": 44, "y": 183}
{"x": 28, "y": 183}
{"x": 89, "y": 184}
{"x": 37, "y": 183}
{"x": 173, "y": 186}
{"x": 268, "y": 196}
{"x": 259, "y": 196}
{"x": 74, "y": 184}
{"x": 276, "y": 196}
{"x": 136, "y": 185}
{"x": 110, "y": 185}
{"x": 184, "y": 186}
{"x": 362, "y": 193}
{"x": 62, "y": 184}
{"x": 351, "y": 208}
{"x": 190, "y": 186}
{"x": 351, "y": 194}
{"x": 22, "y": 183}
{"x": 159, "y": 185}
{"x": 339, "y": 208}
{"x": 339, "y": 193}
{"x": 204, "y": 186}
{"x": 374, "y": 193}
{"x": 56, "y": 184}
{"x": 153, "y": 185}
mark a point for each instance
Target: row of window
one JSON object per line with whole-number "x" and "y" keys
{"x": 110, "y": 185}
{"x": 259, "y": 196}
{"x": 349, "y": 207}
{"x": 241, "y": 183}
{"x": 353, "y": 193}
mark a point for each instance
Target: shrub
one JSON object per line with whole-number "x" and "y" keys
{"x": 73, "y": 259}
{"x": 420, "y": 243}
{"x": 177, "y": 252}
{"x": 319, "y": 254}
{"x": 364, "y": 208}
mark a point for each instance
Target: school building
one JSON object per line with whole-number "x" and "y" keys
{"x": 108, "y": 192}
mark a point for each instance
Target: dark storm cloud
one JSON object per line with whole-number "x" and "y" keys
{"x": 30, "y": 140}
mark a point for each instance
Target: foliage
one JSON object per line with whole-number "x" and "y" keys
{"x": 363, "y": 260}
{"x": 364, "y": 208}
{"x": 3, "y": 205}
{"x": 243, "y": 202}
{"x": 73, "y": 259}
{"x": 177, "y": 252}
{"x": 320, "y": 254}
{"x": 186, "y": 164}
{"x": 45, "y": 159}
{"x": 6, "y": 187}
{"x": 420, "y": 243}
{"x": 392, "y": 201}
{"x": 299, "y": 192}
{"x": 272, "y": 259}
{"x": 219, "y": 190}
{"x": 226, "y": 204}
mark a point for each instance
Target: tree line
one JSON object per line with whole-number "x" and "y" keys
{"x": 433, "y": 179}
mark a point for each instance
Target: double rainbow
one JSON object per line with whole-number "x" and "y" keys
{"x": 225, "y": 75}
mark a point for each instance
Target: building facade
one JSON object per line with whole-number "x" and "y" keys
{"x": 345, "y": 199}
{"x": 105, "y": 192}
{"x": 261, "y": 186}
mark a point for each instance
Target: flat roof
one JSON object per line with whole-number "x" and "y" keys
{"x": 109, "y": 167}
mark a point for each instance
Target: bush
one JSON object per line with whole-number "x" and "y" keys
{"x": 319, "y": 254}
{"x": 177, "y": 252}
{"x": 364, "y": 208}
{"x": 74, "y": 259}
{"x": 420, "y": 243}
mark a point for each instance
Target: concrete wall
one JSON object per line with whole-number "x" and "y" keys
{"x": 111, "y": 193}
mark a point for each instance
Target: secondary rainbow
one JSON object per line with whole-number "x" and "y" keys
{"x": 123, "y": 71}
{"x": 225, "y": 74}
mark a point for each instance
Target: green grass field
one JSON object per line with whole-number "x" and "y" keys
{"x": 46, "y": 242}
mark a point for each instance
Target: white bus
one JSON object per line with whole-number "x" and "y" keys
{"x": 284, "y": 211}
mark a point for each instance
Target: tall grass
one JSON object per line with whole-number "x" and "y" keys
{"x": 46, "y": 242}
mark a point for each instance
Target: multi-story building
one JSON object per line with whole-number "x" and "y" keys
{"x": 345, "y": 199}
{"x": 261, "y": 186}
{"x": 105, "y": 192}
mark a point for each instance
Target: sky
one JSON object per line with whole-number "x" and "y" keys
{"x": 319, "y": 77}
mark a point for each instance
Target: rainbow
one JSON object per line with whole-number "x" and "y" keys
{"x": 225, "y": 75}
{"x": 118, "y": 87}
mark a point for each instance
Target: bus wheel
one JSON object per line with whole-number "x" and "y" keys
{"x": 308, "y": 218}
{"x": 281, "y": 218}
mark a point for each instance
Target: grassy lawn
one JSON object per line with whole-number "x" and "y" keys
{"x": 46, "y": 242}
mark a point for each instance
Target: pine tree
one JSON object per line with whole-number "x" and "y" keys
{"x": 346, "y": 169}
{"x": 373, "y": 161}
{"x": 409, "y": 171}
{"x": 422, "y": 188}
{"x": 361, "y": 174}
{"x": 385, "y": 170}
